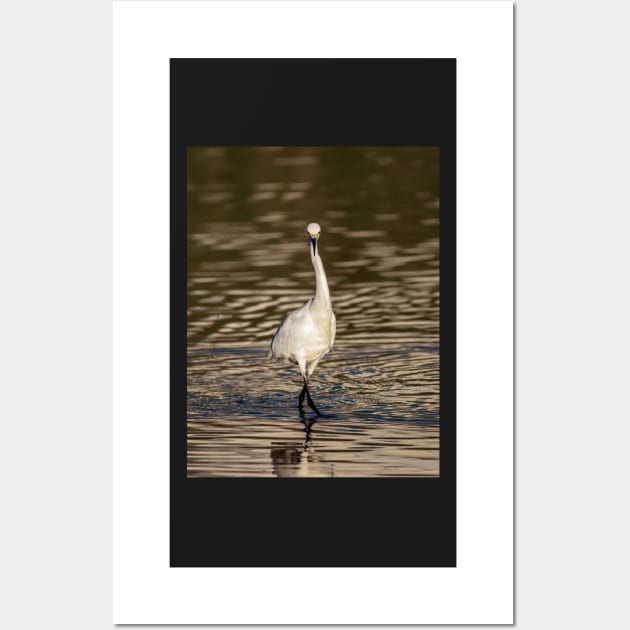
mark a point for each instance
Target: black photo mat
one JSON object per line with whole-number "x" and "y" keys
{"x": 340, "y": 522}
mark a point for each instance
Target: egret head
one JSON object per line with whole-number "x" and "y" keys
{"x": 313, "y": 231}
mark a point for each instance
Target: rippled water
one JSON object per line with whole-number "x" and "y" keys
{"x": 249, "y": 265}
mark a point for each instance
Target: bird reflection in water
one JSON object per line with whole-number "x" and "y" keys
{"x": 295, "y": 459}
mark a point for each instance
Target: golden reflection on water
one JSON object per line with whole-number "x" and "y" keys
{"x": 249, "y": 265}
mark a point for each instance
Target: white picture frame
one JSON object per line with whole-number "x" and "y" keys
{"x": 479, "y": 35}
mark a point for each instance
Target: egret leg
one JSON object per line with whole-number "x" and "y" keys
{"x": 311, "y": 404}
{"x": 301, "y": 400}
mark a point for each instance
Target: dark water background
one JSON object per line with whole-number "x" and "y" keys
{"x": 249, "y": 265}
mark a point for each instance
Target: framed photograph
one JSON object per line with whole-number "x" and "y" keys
{"x": 313, "y": 312}
{"x": 316, "y": 202}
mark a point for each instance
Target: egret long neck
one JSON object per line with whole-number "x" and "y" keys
{"x": 322, "y": 294}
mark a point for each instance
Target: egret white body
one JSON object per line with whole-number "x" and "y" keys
{"x": 308, "y": 333}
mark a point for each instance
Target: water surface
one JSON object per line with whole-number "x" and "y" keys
{"x": 249, "y": 265}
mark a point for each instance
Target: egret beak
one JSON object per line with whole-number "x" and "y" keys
{"x": 314, "y": 244}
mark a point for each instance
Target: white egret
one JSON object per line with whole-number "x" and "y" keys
{"x": 308, "y": 333}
